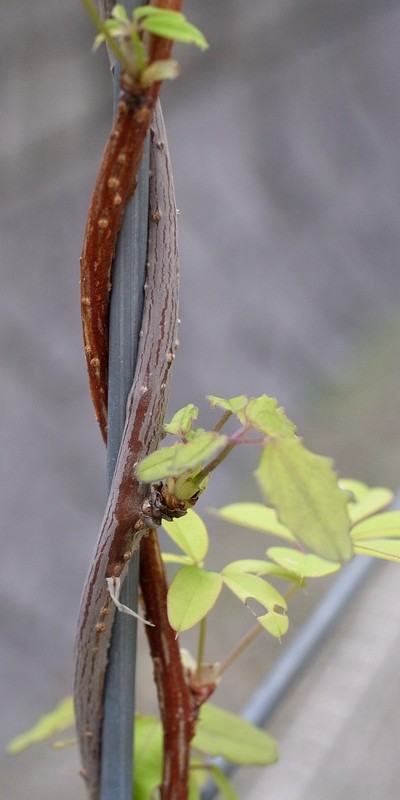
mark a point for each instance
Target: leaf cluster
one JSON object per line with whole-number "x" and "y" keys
{"x": 218, "y": 733}
{"x": 127, "y": 39}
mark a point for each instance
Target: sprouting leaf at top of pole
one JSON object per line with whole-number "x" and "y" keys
{"x": 125, "y": 36}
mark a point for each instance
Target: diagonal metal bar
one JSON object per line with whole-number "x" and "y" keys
{"x": 305, "y": 645}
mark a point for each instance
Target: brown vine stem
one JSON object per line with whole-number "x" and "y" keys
{"x": 115, "y": 184}
{"x": 174, "y": 699}
{"x": 123, "y": 527}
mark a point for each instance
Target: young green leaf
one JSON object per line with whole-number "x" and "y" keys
{"x": 190, "y": 534}
{"x": 148, "y": 755}
{"x": 303, "y": 488}
{"x": 373, "y": 501}
{"x": 181, "y": 423}
{"x": 264, "y": 414}
{"x": 255, "y": 516}
{"x": 192, "y": 594}
{"x": 61, "y": 718}
{"x": 380, "y": 526}
{"x": 221, "y": 733}
{"x": 173, "y": 558}
{"x": 153, "y": 11}
{"x": 173, "y": 25}
{"x": 180, "y": 457}
{"x": 275, "y": 622}
{"x": 235, "y": 404}
{"x": 256, "y": 566}
{"x": 224, "y": 786}
{"x": 303, "y": 565}
{"x": 246, "y": 586}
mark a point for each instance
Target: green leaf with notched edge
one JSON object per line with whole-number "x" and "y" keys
{"x": 357, "y": 489}
{"x": 380, "y": 526}
{"x": 190, "y": 534}
{"x": 61, "y": 718}
{"x": 264, "y": 414}
{"x": 303, "y": 488}
{"x": 275, "y": 622}
{"x": 181, "y": 422}
{"x": 221, "y": 733}
{"x": 180, "y": 457}
{"x": 192, "y": 594}
{"x": 148, "y": 755}
{"x": 302, "y": 565}
{"x": 374, "y": 500}
{"x": 388, "y": 549}
{"x": 255, "y": 516}
{"x": 234, "y": 404}
{"x": 246, "y": 587}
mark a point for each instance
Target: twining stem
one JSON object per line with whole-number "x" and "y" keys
{"x": 115, "y": 184}
{"x": 177, "y": 717}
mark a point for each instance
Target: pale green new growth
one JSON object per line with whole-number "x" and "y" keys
{"x": 302, "y": 565}
{"x": 255, "y": 516}
{"x": 192, "y": 594}
{"x": 61, "y": 718}
{"x": 126, "y": 38}
{"x": 303, "y": 488}
{"x": 175, "y": 460}
{"x": 221, "y": 733}
{"x": 190, "y": 534}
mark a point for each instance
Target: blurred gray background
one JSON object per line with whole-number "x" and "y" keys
{"x": 285, "y": 142}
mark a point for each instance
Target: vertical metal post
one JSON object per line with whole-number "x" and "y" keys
{"x": 128, "y": 278}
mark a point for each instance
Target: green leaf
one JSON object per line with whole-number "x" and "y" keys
{"x": 275, "y": 622}
{"x": 61, "y": 718}
{"x": 175, "y": 28}
{"x": 235, "y": 404}
{"x": 190, "y": 534}
{"x": 264, "y": 414}
{"x": 153, "y": 11}
{"x": 119, "y": 13}
{"x": 303, "y": 565}
{"x": 224, "y": 786}
{"x": 173, "y": 558}
{"x": 148, "y": 755}
{"x": 255, "y": 516}
{"x": 258, "y": 567}
{"x": 180, "y": 457}
{"x": 303, "y": 488}
{"x": 249, "y": 565}
{"x": 221, "y": 733}
{"x": 192, "y": 594}
{"x": 181, "y": 422}
{"x": 163, "y": 69}
{"x": 380, "y": 526}
{"x": 357, "y": 488}
{"x": 246, "y": 586}
{"x": 374, "y": 500}
{"x": 389, "y": 549}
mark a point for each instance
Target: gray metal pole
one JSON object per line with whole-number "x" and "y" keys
{"x": 128, "y": 278}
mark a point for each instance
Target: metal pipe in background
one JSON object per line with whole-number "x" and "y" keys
{"x": 305, "y": 645}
